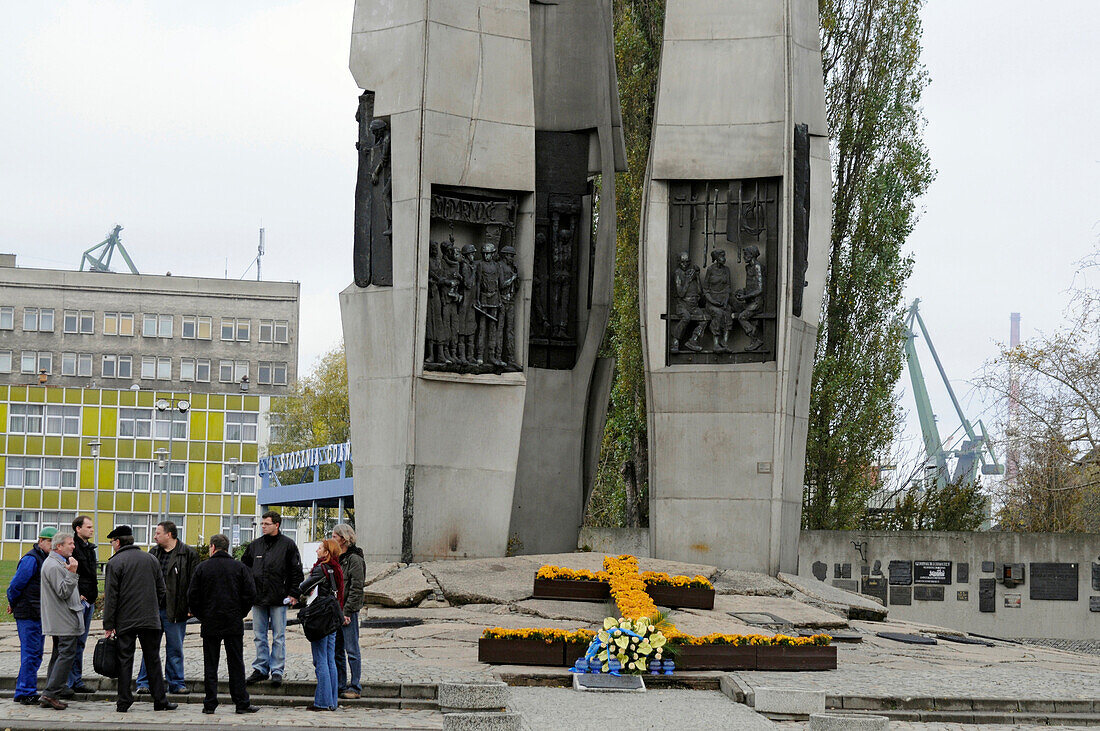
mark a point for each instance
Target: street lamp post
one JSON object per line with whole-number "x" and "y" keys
{"x": 163, "y": 463}
{"x": 234, "y": 490}
{"x": 93, "y": 447}
{"x": 169, "y": 406}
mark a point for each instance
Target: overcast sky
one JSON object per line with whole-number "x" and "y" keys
{"x": 190, "y": 124}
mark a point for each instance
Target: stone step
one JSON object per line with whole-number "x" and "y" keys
{"x": 1086, "y": 706}
{"x": 404, "y": 704}
{"x": 1068, "y": 720}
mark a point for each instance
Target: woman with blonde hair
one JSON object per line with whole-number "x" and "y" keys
{"x": 348, "y": 660}
{"x": 325, "y": 576}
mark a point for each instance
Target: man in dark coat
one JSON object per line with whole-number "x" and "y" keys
{"x": 277, "y": 570}
{"x": 221, "y": 593}
{"x": 87, "y": 573}
{"x": 132, "y": 597}
{"x": 25, "y": 604}
{"x": 177, "y": 563}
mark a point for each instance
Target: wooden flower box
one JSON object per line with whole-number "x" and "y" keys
{"x": 715, "y": 657}
{"x": 807, "y": 657}
{"x": 520, "y": 652}
{"x": 682, "y": 597}
{"x": 579, "y": 591}
{"x": 573, "y": 650}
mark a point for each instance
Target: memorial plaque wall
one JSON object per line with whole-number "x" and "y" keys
{"x": 901, "y": 595}
{"x": 1013, "y": 601}
{"x": 988, "y": 567}
{"x": 901, "y": 573}
{"x": 1054, "y": 582}
{"x": 962, "y": 596}
{"x": 846, "y": 571}
{"x": 1094, "y": 603}
{"x": 932, "y": 572}
{"x": 928, "y": 593}
{"x": 838, "y": 572}
{"x": 820, "y": 570}
{"x": 987, "y": 595}
{"x": 1096, "y": 577}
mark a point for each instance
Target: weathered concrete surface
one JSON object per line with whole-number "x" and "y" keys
{"x": 848, "y": 722}
{"x": 797, "y": 613}
{"x": 727, "y": 443}
{"x": 615, "y": 541}
{"x": 576, "y": 611}
{"x": 404, "y": 589}
{"x": 732, "y": 581}
{"x": 473, "y": 696}
{"x": 1034, "y": 618}
{"x": 375, "y": 571}
{"x": 855, "y": 606}
{"x": 791, "y": 701}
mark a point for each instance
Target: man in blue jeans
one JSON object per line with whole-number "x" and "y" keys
{"x": 277, "y": 570}
{"x": 87, "y": 573}
{"x": 24, "y": 602}
{"x": 177, "y": 563}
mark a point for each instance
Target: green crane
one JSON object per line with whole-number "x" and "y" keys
{"x": 101, "y": 261}
{"x": 975, "y": 450}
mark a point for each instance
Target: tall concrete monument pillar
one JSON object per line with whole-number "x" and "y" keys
{"x": 734, "y": 248}
{"x": 436, "y": 324}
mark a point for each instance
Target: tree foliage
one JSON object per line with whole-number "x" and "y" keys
{"x": 957, "y": 507}
{"x": 1052, "y": 436}
{"x": 873, "y": 82}
{"x": 621, "y": 493}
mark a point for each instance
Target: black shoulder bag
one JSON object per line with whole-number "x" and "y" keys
{"x": 323, "y": 616}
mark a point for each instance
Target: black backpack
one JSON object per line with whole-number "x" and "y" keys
{"x": 323, "y": 616}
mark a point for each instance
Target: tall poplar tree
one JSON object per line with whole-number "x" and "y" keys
{"x": 873, "y": 84}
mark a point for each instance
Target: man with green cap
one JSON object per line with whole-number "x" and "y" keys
{"x": 24, "y": 603}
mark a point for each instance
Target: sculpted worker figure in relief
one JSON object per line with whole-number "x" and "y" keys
{"x": 751, "y": 297}
{"x": 509, "y": 288}
{"x": 686, "y": 296}
{"x": 718, "y": 290}
{"x": 487, "y": 306}
{"x": 467, "y": 322}
{"x": 450, "y": 292}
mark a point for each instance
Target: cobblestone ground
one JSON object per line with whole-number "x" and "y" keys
{"x": 908, "y": 726}
{"x": 1089, "y": 647}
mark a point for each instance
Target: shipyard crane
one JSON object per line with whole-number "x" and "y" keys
{"x": 976, "y": 449}
{"x": 100, "y": 261}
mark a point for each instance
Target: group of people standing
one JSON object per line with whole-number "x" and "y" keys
{"x": 152, "y": 595}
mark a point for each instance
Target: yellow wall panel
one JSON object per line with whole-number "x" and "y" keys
{"x": 17, "y": 394}
{"x": 196, "y": 452}
{"x": 177, "y": 503}
{"x": 215, "y": 426}
{"x": 232, "y": 451}
{"x": 91, "y": 395}
{"x": 32, "y": 498}
{"x": 146, "y": 399}
{"x": 11, "y": 552}
{"x": 213, "y": 504}
{"x": 107, "y": 448}
{"x": 108, "y": 422}
{"x": 214, "y": 478}
{"x": 143, "y": 504}
{"x": 194, "y": 504}
{"x": 213, "y": 451}
{"x": 179, "y": 450}
{"x": 212, "y": 525}
{"x": 216, "y": 402}
{"x": 250, "y": 453}
{"x": 195, "y": 478}
{"x": 86, "y": 474}
{"x": 233, "y": 403}
{"x": 124, "y": 502}
{"x": 3, "y": 417}
{"x": 52, "y": 446}
{"x": 51, "y": 499}
{"x": 127, "y": 398}
{"x": 198, "y": 425}
{"x": 109, "y": 397}
{"x": 89, "y": 421}
{"x": 36, "y": 394}
{"x": 143, "y": 449}
{"x": 72, "y": 395}
{"x": 55, "y": 395}
{"x": 69, "y": 500}
{"x": 3, "y": 392}
{"x": 198, "y": 401}
{"x": 17, "y": 445}
{"x": 70, "y": 447}
{"x": 107, "y": 469}
{"x": 33, "y": 446}
{"x": 86, "y": 501}
{"x": 108, "y": 499}
{"x": 125, "y": 449}
{"x": 13, "y": 498}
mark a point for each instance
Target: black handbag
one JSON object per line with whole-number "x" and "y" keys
{"x": 323, "y": 616}
{"x": 105, "y": 657}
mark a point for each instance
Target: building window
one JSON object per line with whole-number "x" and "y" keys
{"x": 118, "y": 323}
{"x": 62, "y": 421}
{"x": 240, "y": 370}
{"x": 187, "y": 327}
{"x": 125, "y": 366}
{"x": 45, "y": 362}
{"x": 59, "y": 472}
{"x": 178, "y": 483}
{"x": 164, "y": 369}
{"x": 280, "y": 374}
{"x": 206, "y": 326}
{"x": 5, "y": 361}
{"x": 225, "y": 371}
{"x": 20, "y": 525}
{"x": 82, "y": 322}
{"x": 272, "y": 373}
{"x": 239, "y": 330}
{"x": 38, "y": 319}
{"x": 68, "y": 364}
{"x": 133, "y": 475}
{"x": 135, "y": 422}
{"x": 289, "y": 528}
{"x": 76, "y": 364}
{"x": 139, "y": 524}
{"x": 240, "y": 426}
{"x": 229, "y": 329}
{"x": 33, "y": 362}
{"x": 84, "y": 365}
{"x": 109, "y": 369}
{"x": 246, "y": 527}
{"x": 263, "y": 373}
{"x": 187, "y": 366}
{"x": 244, "y": 330}
{"x": 148, "y": 366}
{"x": 25, "y": 419}
{"x": 156, "y": 326}
{"x": 202, "y": 370}
{"x": 87, "y": 322}
{"x": 7, "y": 318}
{"x": 71, "y": 322}
{"x": 276, "y": 421}
{"x": 54, "y": 472}
{"x": 173, "y": 418}
{"x": 246, "y": 480}
{"x": 282, "y": 329}
{"x": 24, "y": 472}
{"x": 273, "y": 331}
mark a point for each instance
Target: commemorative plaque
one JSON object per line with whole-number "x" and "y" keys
{"x": 847, "y": 585}
{"x": 901, "y": 595}
{"x": 962, "y": 596}
{"x": 874, "y": 586}
{"x": 962, "y": 573}
{"x": 838, "y": 571}
{"x": 932, "y": 572}
{"x": 928, "y": 593}
{"x": 988, "y": 567}
{"x": 1013, "y": 601}
{"x": 820, "y": 570}
{"x": 987, "y": 595}
{"x": 901, "y": 573}
{"x": 1094, "y": 603}
{"x": 846, "y": 571}
{"x": 1054, "y": 582}
{"x": 1096, "y": 577}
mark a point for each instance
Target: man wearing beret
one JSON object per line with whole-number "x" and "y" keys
{"x": 133, "y": 596}
{"x": 25, "y": 603}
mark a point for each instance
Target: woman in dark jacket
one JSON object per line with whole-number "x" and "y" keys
{"x": 325, "y": 576}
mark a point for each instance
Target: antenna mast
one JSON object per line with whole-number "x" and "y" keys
{"x": 259, "y": 253}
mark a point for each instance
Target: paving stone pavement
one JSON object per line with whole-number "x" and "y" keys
{"x": 912, "y": 726}
{"x": 100, "y": 714}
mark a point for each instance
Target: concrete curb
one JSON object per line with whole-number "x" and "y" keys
{"x": 848, "y": 722}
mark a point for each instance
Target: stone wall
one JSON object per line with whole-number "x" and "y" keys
{"x": 1040, "y": 605}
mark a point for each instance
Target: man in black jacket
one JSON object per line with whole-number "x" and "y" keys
{"x": 177, "y": 563}
{"x": 87, "y": 573}
{"x": 277, "y": 570}
{"x": 132, "y": 597}
{"x": 221, "y": 593}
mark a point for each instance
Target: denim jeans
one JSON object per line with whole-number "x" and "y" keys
{"x": 173, "y": 655}
{"x": 76, "y": 675}
{"x": 347, "y": 646}
{"x": 271, "y": 661}
{"x": 30, "y": 656}
{"x": 324, "y": 662}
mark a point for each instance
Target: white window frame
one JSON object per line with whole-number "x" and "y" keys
{"x": 241, "y": 370}
{"x": 135, "y": 422}
{"x": 28, "y": 313}
{"x": 241, "y": 426}
{"x": 26, "y": 418}
{"x": 84, "y": 365}
{"x": 112, "y": 371}
{"x": 148, "y": 325}
{"x": 128, "y": 361}
{"x": 7, "y": 318}
{"x": 247, "y": 476}
{"x": 148, "y": 367}
{"x": 173, "y": 418}
{"x": 208, "y": 322}
{"x": 21, "y": 525}
{"x": 45, "y": 362}
{"x": 187, "y": 369}
{"x": 201, "y": 365}
{"x": 68, "y": 364}
{"x": 165, "y": 325}
{"x": 285, "y": 325}
{"x": 263, "y": 373}
{"x": 164, "y": 369}
{"x": 87, "y": 322}
{"x": 232, "y": 325}
{"x": 191, "y": 320}
{"x": 279, "y": 374}
{"x": 222, "y": 365}
{"x": 32, "y": 356}
{"x": 126, "y": 319}
{"x": 62, "y": 420}
{"x": 269, "y": 326}
{"x": 6, "y": 359}
{"x": 70, "y": 323}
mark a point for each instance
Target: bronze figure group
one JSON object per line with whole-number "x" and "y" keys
{"x": 707, "y": 299}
